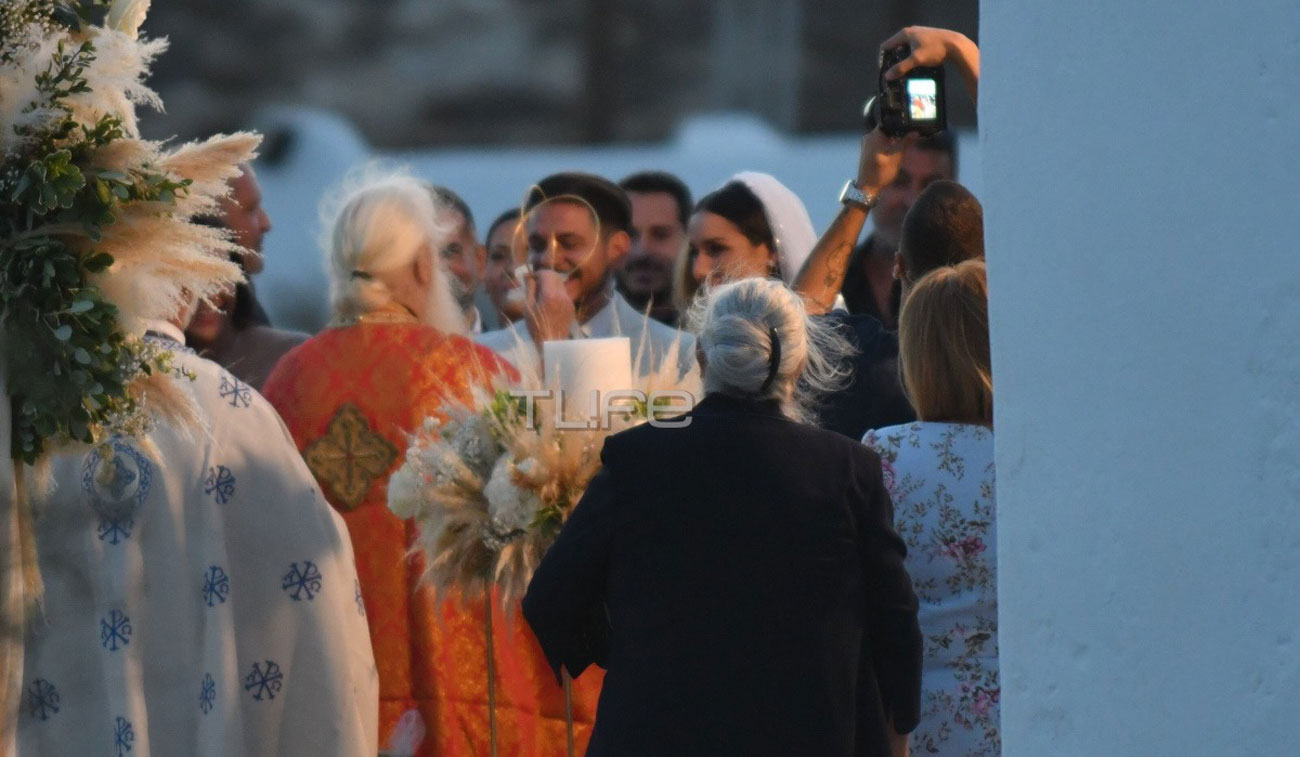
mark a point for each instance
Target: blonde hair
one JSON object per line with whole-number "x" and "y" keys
{"x": 943, "y": 335}
{"x": 734, "y": 323}
{"x": 384, "y": 222}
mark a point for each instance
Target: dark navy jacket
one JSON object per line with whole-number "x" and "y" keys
{"x": 741, "y": 581}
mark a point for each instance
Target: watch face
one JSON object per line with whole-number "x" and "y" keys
{"x": 852, "y": 194}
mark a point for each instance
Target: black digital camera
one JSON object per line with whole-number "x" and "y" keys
{"x": 913, "y": 104}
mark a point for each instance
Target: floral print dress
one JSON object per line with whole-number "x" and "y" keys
{"x": 940, "y": 476}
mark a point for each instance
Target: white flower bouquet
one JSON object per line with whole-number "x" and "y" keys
{"x": 491, "y": 483}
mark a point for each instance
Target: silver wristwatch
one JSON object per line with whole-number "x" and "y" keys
{"x": 852, "y": 195}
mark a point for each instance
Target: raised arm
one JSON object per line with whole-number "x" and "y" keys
{"x": 822, "y": 275}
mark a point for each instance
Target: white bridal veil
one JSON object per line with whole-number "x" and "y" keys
{"x": 788, "y": 218}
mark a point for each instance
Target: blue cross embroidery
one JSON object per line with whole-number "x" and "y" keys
{"x": 264, "y": 681}
{"x": 207, "y": 694}
{"x": 168, "y": 344}
{"x": 361, "y": 606}
{"x": 42, "y": 699}
{"x": 302, "y": 581}
{"x": 123, "y": 736}
{"x": 216, "y": 586}
{"x": 115, "y": 631}
{"x": 236, "y": 392}
{"x": 220, "y": 484}
{"x": 114, "y": 531}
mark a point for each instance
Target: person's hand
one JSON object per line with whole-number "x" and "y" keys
{"x": 548, "y": 310}
{"x": 930, "y": 47}
{"x": 879, "y": 161}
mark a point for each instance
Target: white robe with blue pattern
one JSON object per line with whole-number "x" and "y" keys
{"x": 205, "y": 603}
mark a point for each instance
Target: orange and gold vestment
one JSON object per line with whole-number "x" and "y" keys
{"x": 350, "y": 396}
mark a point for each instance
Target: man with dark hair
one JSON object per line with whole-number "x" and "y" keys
{"x": 577, "y": 230}
{"x": 661, "y": 210}
{"x": 234, "y": 331}
{"x": 869, "y": 284}
{"x": 896, "y": 171}
{"x": 944, "y": 227}
{"x": 462, "y": 254}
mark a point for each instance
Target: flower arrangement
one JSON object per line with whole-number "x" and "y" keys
{"x": 95, "y": 224}
{"x": 96, "y": 240}
{"x": 491, "y": 482}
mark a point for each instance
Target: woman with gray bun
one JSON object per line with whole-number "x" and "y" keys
{"x": 739, "y": 576}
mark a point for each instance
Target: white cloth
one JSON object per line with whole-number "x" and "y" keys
{"x": 202, "y": 602}
{"x": 476, "y": 321}
{"x": 654, "y": 344}
{"x": 941, "y": 479}
{"x": 788, "y": 219}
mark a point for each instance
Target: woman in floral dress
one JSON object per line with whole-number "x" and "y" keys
{"x": 939, "y": 472}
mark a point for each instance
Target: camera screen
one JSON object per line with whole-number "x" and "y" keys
{"x": 923, "y": 99}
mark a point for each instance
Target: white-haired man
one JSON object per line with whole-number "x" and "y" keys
{"x": 350, "y": 396}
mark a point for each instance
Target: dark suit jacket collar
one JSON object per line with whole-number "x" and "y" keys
{"x": 717, "y": 403}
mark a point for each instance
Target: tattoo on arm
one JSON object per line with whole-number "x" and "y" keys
{"x": 837, "y": 264}
{"x": 831, "y": 257}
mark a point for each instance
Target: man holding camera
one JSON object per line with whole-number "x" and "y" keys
{"x": 866, "y": 274}
{"x": 945, "y": 224}
{"x": 874, "y": 398}
{"x": 823, "y": 274}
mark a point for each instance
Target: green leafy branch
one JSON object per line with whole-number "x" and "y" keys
{"x": 70, "y": 365}
{"x": 65, "y": 76}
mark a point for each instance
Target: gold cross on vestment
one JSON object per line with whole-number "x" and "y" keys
{"x": 349, "y": 457}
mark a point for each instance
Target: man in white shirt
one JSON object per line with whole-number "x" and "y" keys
{"x": 577, "y": 232}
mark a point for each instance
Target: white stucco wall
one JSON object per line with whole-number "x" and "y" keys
{"x": 706, "y": 151}
{"x": 1141, "y": 166}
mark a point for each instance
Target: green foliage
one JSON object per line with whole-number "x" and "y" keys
{"x": 66, "y": 74}
{"x": 70, "y": 365}
{"x": 509, "y": 410}
{"x": 547, "y": 520}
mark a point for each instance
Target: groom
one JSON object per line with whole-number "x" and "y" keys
{"x": 577, "y": 231}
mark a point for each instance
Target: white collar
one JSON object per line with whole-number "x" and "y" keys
{"x": 476, "y": 321}
{"x": 166, "y": 328}
{"x": 603, "y": 322}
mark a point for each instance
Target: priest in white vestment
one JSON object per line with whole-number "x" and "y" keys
{"x": 201, "y": 597}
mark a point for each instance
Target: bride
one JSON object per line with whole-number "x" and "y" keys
{"x": 753, "y": 225}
